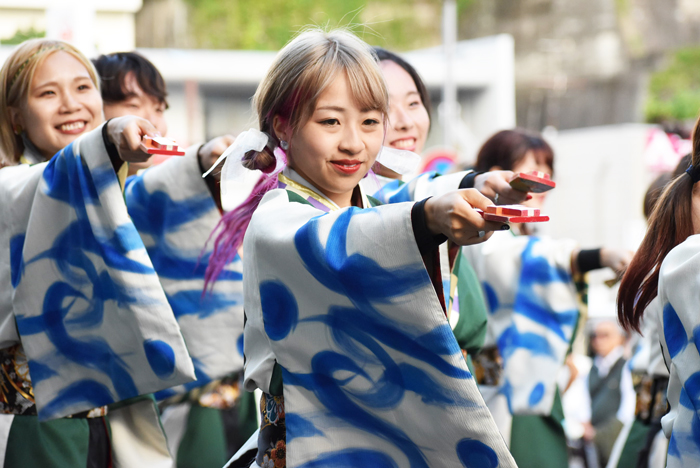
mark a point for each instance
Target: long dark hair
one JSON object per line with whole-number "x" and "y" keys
{"x": 670, "y": 224}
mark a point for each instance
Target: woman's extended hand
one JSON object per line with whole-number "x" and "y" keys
{"x": 453, "y": 215}
{"x": 616, "y": 259}
{"x": 210, "y": 152}
{"x": 126, "y": 134}
{"x": 496, "y": 186}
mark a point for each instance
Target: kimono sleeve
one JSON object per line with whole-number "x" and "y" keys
{"x": 174, "y": 212}
{"x": 17, "y": 188}
{"x": 370, "y": 367}
{"x": 91, "y": 314}
{"x": 423, "y": 186}
{"x": 533, "y": 312}
{"x": 679, "y": 294}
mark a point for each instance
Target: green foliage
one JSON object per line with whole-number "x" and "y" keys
{"x": 674, "y": 92}
{"x": 269, "y": 24}
{"x": 22, "y": 35}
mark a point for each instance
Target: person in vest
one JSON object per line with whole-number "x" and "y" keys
{"x": 610, "y": 389}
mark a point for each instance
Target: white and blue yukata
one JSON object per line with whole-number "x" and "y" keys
{"x": 347, "y": 337}
{"x": 84, "y": 321}
{"x": 679, "y": 295}
{"x": 466, "y": 307}
{"x": 533, "y": 314}
{"x": 172, "y": 207}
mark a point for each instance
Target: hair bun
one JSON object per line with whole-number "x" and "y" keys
{"x": 259, "y": 160}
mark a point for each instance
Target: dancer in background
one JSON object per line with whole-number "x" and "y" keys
{"x": 529, "y": 283}
{"x": 407, "y": 129}
{"x": 661, "y": 285}
{"x": 642, "y": 443}
{"x": 84, "y": 320}
{"x": 346, "y": 331}
{"x": 175, "y": 210}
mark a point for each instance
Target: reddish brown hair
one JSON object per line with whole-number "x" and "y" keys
{"x": 670, "y": 224}
{"x": 507, "y": 148}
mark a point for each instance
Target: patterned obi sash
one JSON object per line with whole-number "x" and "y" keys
{"x": 488, "y": 367}
{"x": 652, "y": 404}
{"x": 16, "y": 390}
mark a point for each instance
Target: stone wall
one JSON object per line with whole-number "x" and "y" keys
{"x": 584, "y": 63}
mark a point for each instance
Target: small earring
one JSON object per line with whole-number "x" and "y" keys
{"x": 17, "y": 129}
{"x": 284, "y": 145}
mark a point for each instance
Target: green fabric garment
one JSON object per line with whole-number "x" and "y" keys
{"x": 203, "y": 444}
{"x": 61, "y": 443}
{"x": 636, "y": 441}
{"x": 470, "y": 330}
{"x": 539, "y": 441}
{"x": 247, "y": 415}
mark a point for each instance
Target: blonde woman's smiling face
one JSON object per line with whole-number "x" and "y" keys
{"x": 338, "y": 144}
{"x": 62, "y": 103}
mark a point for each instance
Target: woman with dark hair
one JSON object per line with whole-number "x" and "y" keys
{"x": 663, "y": 279}
{"x": 407, "y": 129}
{"x": 638, "y": 444}
{"x": 530, "y": 283}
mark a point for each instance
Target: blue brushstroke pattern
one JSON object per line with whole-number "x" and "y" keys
{"x": 537, "y": 271}
{"x": 16, "y": 259}
{"x": 93, "y": 353}
{"x": 191, "y": 302}
{"x": 512, "y": 340}
{"x": 239, "y": 344}
{"x": 90, "y": 391}
{"x": 201, "y": 379}
{"x": 76, "y": 303}
{"x": 438, "y": 340}
{"x": 157, "y": 215}
{"x": 351, "y": 458}
{"x": 300, "y": 426}
{"x": 40, "y": 371}
{"x": 394, "y": 191}
{"x": 536, "y": 394}
{"x": 673, "y": 446}
{"x": 363, "y": 332}
{"x": 491, "y": 297}
{"x": 161, "y": 357}
{"x": 279, "y": 309}
{"x": 476, "y": 454}
{"x": 674, "y": 333}
{"x": 692, "y": 386}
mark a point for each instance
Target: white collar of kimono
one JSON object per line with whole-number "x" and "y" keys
{"x": 308, "y": 189}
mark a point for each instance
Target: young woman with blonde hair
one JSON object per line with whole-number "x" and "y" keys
{"x": 346, "y": 333}
{"x": 84, "y": 322}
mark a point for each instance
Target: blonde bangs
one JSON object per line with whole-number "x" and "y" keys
{"x": 308, "y": 65}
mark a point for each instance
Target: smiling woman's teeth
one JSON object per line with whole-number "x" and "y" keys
{"x": 402, "y": 144}
{"x": 71, "y": 126}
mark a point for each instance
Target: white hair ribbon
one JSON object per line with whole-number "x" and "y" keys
{"x": 237, "y": 181}
{"x": 399, "y": 161}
